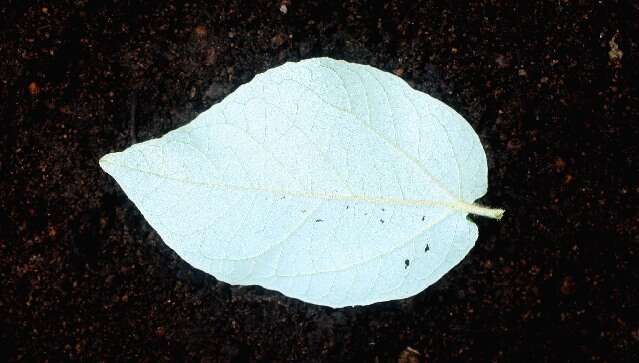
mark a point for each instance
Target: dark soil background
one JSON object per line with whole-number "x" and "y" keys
{"x": 552, "y": 88}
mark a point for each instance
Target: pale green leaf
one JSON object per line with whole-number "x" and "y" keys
{"x": 331, "y": 182}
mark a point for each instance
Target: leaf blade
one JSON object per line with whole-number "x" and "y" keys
{"x": 287, "y": 184}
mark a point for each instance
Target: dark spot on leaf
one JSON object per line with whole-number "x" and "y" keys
{"x": 319, "y": 220}
{"x": 381, "y": 221}
{"x": 406, "y": 263}
{"x": 427, "y": 248}
{"x": 383, "y": 210}
{"x": 346, "y": 207}
{"x": 423, "y": 218}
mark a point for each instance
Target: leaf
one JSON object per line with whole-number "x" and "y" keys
{"x": 331, "y": 182}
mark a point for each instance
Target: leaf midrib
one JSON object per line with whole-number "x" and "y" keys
{"x": 389, "y": 201}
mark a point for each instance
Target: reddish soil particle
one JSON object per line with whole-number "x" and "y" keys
{"x": 550, "y": 86}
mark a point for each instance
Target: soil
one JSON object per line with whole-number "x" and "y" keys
{"x": 551, "y": 87}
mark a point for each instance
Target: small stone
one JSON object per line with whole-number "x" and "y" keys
{"x": 568, "y": 179}
{"x": 513, "y": 144}
{"x": 278, "y": 40}
{"x": 304, "y": 48}
{"x": 615, "y": 54}
{"x": 409, "y": 355}
{"x": 200, "y": 32}
{"x": 502, "y": 61}
{"x": 560, "y": 164}
{"x": 33, "y": 88}
{"x": 398, "y": 71}
{"x": 568, "y": 286}
{"x": 488, "y": 264}
{"x": 211, "y": 57}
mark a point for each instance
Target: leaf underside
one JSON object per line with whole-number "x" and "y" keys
{"x": 331, "y": 182}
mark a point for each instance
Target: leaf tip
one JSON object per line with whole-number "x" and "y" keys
{"x": 107, "y": 162}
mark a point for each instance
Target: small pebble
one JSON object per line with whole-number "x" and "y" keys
{"x": 33, "y": 88}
